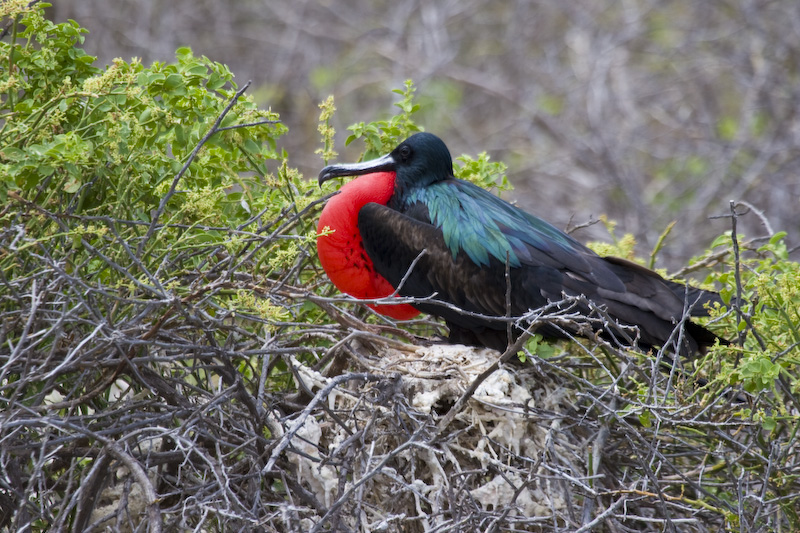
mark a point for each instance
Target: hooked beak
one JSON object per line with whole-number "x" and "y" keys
{"x": 384, "y": 163}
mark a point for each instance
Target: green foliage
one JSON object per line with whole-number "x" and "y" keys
{"x": 766, "y": 324}
{"x": 541, "y": 347}
{"x": 762, "y": 318}
{"x": 483, "y": 172}
{"x": 756, "y": 378}
{"x": 147, "y": 188}
{"x": 112, "y": 141}
{"x": 624, "y": 246}
{"x": 382, "y": 136}
{"x": 152, "y": 236}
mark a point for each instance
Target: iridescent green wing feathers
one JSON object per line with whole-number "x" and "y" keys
{"x": 483, "y": 226}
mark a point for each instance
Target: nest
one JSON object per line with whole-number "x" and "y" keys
{"x": 487, "y": 466}
{"x": 403, "y": 447}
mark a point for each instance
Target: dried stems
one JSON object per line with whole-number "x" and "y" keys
{"x": 149, "y": 404}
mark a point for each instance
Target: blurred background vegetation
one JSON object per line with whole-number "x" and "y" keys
{"x": 647, "y": 111}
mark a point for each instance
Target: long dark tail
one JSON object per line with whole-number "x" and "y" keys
{"x": 698, "y": 299}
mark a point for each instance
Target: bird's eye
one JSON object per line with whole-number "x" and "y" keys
{"x": 405, "y": 151}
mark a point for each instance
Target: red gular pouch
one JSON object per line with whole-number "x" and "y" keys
{"x": 342, "y": 252}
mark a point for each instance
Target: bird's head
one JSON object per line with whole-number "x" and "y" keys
{"x": 418, "y": 161}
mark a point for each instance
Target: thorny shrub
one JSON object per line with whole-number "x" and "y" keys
{"x": 172, "y": 357}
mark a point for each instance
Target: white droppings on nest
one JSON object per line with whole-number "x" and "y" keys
{"x": 498, "y": 493}
{"x": 322, "y": 480}
{"x": 496, "y": 413}
{"x": 494, "y": 432}
{"x": 123, "y": 491}
{"x": 313, "y": 380}
{"x": 441, "y": 373}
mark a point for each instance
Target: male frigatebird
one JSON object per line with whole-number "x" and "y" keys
{"x": 409, "y": 201}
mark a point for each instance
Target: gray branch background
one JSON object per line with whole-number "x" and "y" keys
{"x": 647, "y": 111}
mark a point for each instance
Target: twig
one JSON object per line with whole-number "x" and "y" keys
{"x": 599, "y": 519}
{"x": 411, "y": 442}
{"x": 280, "y": 445}
{"x": 153, "y": 508}
{"x": 737, "y": 272}
{"x": 413, "y": 264}
{"x": 509, "y": 325}
{"x": 163, "y": 203}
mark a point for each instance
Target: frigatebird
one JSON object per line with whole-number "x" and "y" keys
{"x": 479, "y": 253}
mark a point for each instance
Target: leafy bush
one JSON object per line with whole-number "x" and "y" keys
{"x": 171, "y": 356}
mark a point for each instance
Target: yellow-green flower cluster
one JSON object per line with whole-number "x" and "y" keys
{"x": 201, "y": 203}
{"x": 263, "y": 307}
{"x": 119, "y": 73}
{"x": 326, "y": 130}
{"x": 15, "y": 8}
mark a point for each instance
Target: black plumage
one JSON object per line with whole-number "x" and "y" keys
{"x": 471, "y": 238}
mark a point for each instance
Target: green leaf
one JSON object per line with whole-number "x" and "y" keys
{"x": 12, "y": 153}
{"x": 72, "y": 185}
{"x": 197, "y": 70}
{"x": 722, "y": 240}
{"x": 180, "y": 135}
{"x": 215, "y": 81}
{"x": 173, "y": 82}
{"x": 779, "y": 236}
{"x": 251, "y": 147}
